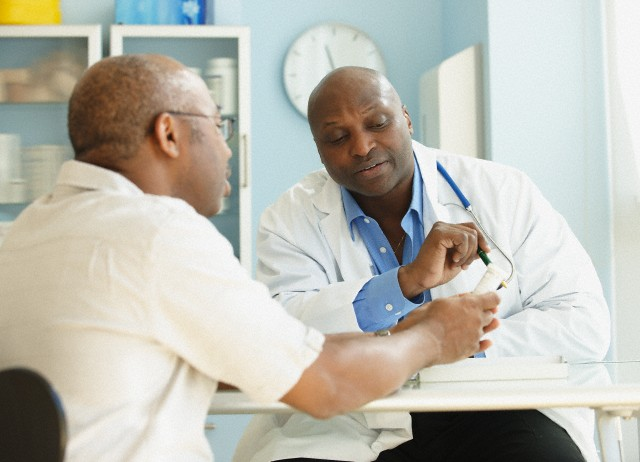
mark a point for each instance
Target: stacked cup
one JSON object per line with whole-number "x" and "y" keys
{"x": 12, "y": 185}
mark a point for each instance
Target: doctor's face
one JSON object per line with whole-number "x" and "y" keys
{"x": 362, "y": 132}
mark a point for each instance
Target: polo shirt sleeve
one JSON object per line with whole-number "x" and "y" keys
{"x": 213, "y": 315}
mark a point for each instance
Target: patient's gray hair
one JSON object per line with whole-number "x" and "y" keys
{"x": 115, "y": 103}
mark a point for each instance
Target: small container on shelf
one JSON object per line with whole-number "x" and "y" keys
{"x": 49, "y": 79}
{"x": 41, "y": 165}
{"x": 10, "y": 168}
{"x": 221, "y": 77}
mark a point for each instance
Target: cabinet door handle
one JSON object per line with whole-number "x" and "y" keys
{"x": 209, "y": 426}
{"x": 244, "y": 161}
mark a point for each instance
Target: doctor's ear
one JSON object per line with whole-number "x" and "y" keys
{"x": 165, "y": 132}
{"x": 407, "y": 117}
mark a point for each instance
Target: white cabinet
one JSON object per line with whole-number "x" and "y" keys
{"x": 39, "y": 66}
{"x": 226, "y": 49}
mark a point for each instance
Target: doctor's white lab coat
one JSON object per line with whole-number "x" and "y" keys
{"x": 553, "y": 305}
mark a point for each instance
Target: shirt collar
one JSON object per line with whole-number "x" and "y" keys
{"x": 83, "y": 175}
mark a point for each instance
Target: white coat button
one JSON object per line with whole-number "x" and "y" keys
{"x": 388, "y": 307}
{"x": 383, "y": 250}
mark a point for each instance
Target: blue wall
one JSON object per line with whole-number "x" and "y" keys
{"x": 282, "y": 148}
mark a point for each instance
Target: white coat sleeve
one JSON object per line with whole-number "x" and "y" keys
{"x": 560, "y": 307}
{"x": 297, "y": 264}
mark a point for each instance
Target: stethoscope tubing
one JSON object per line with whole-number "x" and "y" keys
{"x": 466, "y": 205}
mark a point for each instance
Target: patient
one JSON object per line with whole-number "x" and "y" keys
{"x": 118, "y": 289}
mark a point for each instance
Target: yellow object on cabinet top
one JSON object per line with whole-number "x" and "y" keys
{"x": 30, "y": 12}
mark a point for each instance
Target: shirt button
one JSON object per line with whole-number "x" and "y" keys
{"x": 383, "y": 250}
{"x": 366, "y": 220}
{"x": 388, "y": 307}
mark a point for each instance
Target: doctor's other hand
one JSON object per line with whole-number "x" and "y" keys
{"x": 456, "y": 324}
{"x": 447, "y": 250}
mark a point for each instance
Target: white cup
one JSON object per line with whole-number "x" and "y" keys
{"x": 41, "y": 166}
{"x": 221, "y": 77}
{"x": 10, "y": 164}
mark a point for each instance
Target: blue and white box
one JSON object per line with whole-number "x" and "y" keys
{"x": 163, "y": 11}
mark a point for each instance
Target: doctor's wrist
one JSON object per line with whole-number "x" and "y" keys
{"x": 409, "y": 284}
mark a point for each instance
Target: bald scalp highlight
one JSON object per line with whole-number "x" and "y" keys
{"x": 348, "y": 80}
{"x": 114, "y": 105}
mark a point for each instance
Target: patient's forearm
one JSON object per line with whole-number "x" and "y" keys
{"x": 353, "y": 369}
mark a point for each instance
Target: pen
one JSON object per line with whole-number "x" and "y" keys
{"x": 483, "y": 256}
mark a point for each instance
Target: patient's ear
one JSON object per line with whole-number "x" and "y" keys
{"x": 165, "y": 131}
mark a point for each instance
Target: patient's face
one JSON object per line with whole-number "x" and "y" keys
{"x": 206, "y": 177}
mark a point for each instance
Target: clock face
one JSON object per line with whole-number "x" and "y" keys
{"x": 321, "y": 49}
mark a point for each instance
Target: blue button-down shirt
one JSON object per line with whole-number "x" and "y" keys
{"x": 380, "y": 303}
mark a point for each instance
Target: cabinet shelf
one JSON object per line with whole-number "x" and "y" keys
{"x": 36, "y": 80}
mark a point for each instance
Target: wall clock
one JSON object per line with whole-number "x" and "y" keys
{"x": 319, "y": 50}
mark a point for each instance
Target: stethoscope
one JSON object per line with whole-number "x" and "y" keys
{"x": 466, "y": 205}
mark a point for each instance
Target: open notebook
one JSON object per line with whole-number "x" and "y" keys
{"x": 508, "y": 368}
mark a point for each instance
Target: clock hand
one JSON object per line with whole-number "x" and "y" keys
{"x": 331, "y": 63}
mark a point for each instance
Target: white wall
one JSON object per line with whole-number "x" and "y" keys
{"x": 623, "y": 45}
{"x": 624, "y": 116}
{"x": 547, "y": 105}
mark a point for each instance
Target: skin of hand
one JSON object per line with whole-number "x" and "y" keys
{"x": 355, "y": 368}
{"x": 447, "y": 250}
{"x": 454, "y": 333}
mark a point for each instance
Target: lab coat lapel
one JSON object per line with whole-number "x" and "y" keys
{"x": 351, "y": 256}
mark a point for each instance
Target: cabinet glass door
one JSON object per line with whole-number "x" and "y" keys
{"x": 39, "y": 66}
{"x": 220, "y": 55}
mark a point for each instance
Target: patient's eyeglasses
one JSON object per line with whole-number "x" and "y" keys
{"x": 226, "y": 124}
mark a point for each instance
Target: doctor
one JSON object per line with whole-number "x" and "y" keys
{"x": 343, "y": 250}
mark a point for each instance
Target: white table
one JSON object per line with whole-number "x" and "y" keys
{"x": 612, "y": 390}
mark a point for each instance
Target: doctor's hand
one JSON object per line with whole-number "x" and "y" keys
{"x": 455, "y": 324}
{"x": 447, "y": 250}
